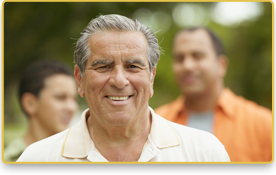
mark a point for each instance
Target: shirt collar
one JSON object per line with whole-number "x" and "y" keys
{"x": 224, "y": 102}
{"x": 179, "y": 108}
{"x": 78, "y": 143}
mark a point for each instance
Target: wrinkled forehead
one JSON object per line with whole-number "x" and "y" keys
{"x": 114, "y": 42}
{"x": 126, "y": 39}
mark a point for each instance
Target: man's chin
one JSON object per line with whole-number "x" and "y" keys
{"x": 192, "y": 90}
{"x": 119, "y": 118}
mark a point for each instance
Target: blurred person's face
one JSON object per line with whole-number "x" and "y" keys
{"x": 56, "y": 103}
{"x": 116, "y": 82}
{"x": 195, "y": 64}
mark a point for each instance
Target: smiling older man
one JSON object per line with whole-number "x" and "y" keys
{"x": 116, "y": 59}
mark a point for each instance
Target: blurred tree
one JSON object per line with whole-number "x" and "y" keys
{"x": 47, "y": 30}
{"x": 250, "y": 52}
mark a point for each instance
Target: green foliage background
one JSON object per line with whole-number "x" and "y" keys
{"x": 47, "y": 30}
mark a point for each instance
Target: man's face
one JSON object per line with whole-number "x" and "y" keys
{"x": 56, "y": 103}
{"x": 195, "y": 64}
{"x": 116, "y": 82}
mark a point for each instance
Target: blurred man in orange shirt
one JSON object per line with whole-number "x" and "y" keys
{"x": 199, "y": 65}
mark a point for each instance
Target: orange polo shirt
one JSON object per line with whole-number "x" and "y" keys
{"x": 242, "y": 126}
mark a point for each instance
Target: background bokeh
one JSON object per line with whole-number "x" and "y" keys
{"x": 48, "y": 30}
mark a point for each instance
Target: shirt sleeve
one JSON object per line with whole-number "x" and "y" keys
{"x": 29, "y": 155}
{"x": 218, "y": 152}
{"x": 220, "y": 155}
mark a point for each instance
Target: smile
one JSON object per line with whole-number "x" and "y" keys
{"x": 118, "y": 98}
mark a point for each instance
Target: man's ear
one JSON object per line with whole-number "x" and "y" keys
{"x": 79, "y": 79}
{"x": 29, "y": 103}
{"x": 223, "y": 64}
{"x": 152, "y": 81}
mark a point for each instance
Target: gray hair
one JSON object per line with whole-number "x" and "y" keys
{"x": 118, "y": 23}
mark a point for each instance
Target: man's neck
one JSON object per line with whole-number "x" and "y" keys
{"x": 120, "y": 143}
{"x": 35, "y": 133}
{"x": 205, "y": 101}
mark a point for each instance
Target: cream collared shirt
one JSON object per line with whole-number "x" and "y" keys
{"x": 167, "y": 142}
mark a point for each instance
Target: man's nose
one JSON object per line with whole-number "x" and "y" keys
{"x": 118, "y": 78}
{"x": 188, "y": 63}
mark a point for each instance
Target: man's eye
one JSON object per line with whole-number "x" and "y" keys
{"x": 198, "y": 56}
{"x": 103, "y": 67}
{"x": 61, "y": 98}
{"x": 133, "y": 66}
{"x": 178, "y": 58}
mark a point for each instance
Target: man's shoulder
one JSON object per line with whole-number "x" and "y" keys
{"x": 249, "y": 111}
{"x": 249, "y": 108}
{"x": 165, "y": 109}
{"x": 201, "y": 144}
{"x": 188, "y": 133}
{"x": 38, "y": 151}
{"x": 258, "y": 109}
{"x": 192, "y": 134}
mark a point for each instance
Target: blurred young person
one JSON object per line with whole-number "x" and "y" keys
{"x": 47, "y": 94}
{"x": 199, "y": 65}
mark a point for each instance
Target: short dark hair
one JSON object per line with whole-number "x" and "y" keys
{"x": 218, "y": 45}
{"x": 32, "y": 80}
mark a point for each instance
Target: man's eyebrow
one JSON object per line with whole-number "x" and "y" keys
{"x": 137, "y": 61}
{"x": 99, "y": 62}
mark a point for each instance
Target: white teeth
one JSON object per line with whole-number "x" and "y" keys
{"x": 118, "y": 98}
